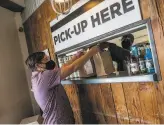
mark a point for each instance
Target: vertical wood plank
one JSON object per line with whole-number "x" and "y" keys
{"x": 133, "y": 102}
{"x": 72, "y": 94}
{"x": 160, "y": 98}
{"x": 108, "y": 103}
{"x": 149, "y": 105}
{"x": 99, "y": 101}
{"x": 100, "y": 119}
{"x": 145, "y": 10}
{"x": 48, "y": 14}
{"x": 78, "y": 119}
{"x": 158, "y": 31}
{"x": 120, "y": 104}
{"x": 160, "y": 9}
{"x": 92, "y": 98}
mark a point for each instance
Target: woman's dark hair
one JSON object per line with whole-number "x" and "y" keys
{"x": 33, "y": 59}
{"x": 127, "y": 41}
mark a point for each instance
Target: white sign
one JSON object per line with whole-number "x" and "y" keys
{"x": 105, "y": 17}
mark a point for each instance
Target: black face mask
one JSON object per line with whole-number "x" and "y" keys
{"x": 126, "y": 44}
{"x": 50, "y": 65}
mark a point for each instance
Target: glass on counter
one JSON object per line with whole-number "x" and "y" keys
{"x": 115, "y": 65}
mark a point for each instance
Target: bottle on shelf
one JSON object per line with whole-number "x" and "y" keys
{"x": 133, "y": 61}
{"x": 149, "y": 59}
{"x": 134, "y": 51}
{"x": 127, "y": 62}
{"x": 61, "y": 61}
{"x": 77, "y": 74}
{"x": 134, "y": 65}
{"x": 142, "y": 49}
{"x": 141, "y": 60}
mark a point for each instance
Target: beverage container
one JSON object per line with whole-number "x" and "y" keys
{"x": 142, "y": 66}
{"x": 128, "y": 68}
{"x": 77, "y": 74}
{"x": 134, "y": 51}
{"x": 134, "y": 67}
{"x": 61, "y": 61}
{"x": 142, "y": 49}
{"x": 148, "y": 59}
{"x": 115, "y": 65}
{"x": 141, "y": 60}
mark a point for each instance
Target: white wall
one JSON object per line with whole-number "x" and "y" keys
{"x": 15, "y": 102}
{"x": 24, "y": 52}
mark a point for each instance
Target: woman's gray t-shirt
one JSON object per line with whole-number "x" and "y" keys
{"x": 51, "y": 97}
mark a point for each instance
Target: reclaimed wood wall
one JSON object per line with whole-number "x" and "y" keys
{"x": 108, "y": 103}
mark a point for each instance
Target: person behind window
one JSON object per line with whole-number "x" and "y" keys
{"x": 46, "y": 85}
{"x": 119, "y": 54}
{"x": 127, "y": 41}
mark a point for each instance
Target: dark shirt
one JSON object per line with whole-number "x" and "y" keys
{"x": 119, "y": 55}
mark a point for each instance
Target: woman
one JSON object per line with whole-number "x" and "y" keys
{"x": 48, "y": 92}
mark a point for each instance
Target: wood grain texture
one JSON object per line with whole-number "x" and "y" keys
{"x": 108, "y": 103}
{"x": 78, "y": 118}
{"x": 148, "y": 102}
{"x": 141, "y": 108}
{"x": 72, "y": 93}
{"x": 131, "y": 91}
{"x": 120, "y": 104}
{"x": 96, "y": 94}
{"x": 157, "y": 25}
{"x": 147, "y": 91}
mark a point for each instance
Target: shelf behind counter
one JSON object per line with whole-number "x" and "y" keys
{"x": 113, "y": 78}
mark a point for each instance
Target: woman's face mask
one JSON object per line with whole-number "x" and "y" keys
{"x": 50, "y": 65}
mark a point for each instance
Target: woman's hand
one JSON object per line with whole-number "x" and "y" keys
{"x": 95, "y": 49}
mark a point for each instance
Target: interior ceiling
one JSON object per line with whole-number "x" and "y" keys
{"x": 13, "y": 5}
{"x": 139, "y": 37}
